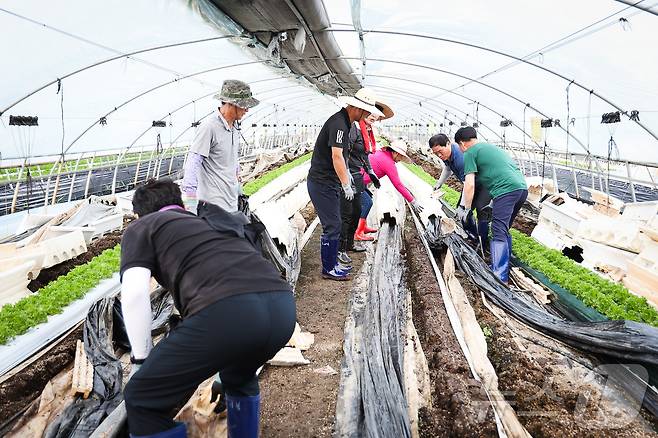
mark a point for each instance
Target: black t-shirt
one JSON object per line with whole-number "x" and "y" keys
{"x": 334, "y": 133}
{"x": 197, "y": 264}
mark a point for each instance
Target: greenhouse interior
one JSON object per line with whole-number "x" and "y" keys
{"x": 342, "y": 218}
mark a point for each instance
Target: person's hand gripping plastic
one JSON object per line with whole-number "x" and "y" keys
{"x": 374, "y": 180}
{"x": 417, "y": 207}
{"x": 464, "y": 216}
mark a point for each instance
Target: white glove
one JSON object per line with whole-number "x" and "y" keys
{"x": 190, "y": 202}
{"x": 416, "y": 206}
{"x": 348, "y": 191}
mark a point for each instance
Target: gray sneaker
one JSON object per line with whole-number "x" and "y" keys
{"x": 344, "y": 258}
{"x": 358, "y": 247}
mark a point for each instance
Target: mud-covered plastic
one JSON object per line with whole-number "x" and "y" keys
{"x": 104, "y": 322}
{"x": 83, "y": 416}
{"x": 162, "y": 308}
{"x": 288, "y": 265}
{"x": 371, "y": 398}
{"x": 621, "y": 342}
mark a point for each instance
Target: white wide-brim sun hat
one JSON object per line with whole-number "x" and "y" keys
{"x": 364, "y": 99}
{"x": 399, "y": 146}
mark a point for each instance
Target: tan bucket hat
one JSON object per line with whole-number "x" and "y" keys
{"x": 237, "y": 93}
{"x": 364, "y": 99}
{"x": 388, "y": 112}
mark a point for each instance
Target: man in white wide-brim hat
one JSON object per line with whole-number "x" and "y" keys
{"x": 362, "y": 143}
{"x": 328, "y": 174}
{"x": 211, "y": 170}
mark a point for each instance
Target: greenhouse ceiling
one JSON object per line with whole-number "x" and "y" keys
{"x": 97, "y": 75}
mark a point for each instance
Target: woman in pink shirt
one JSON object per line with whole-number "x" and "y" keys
{"x": 383, "y": 164}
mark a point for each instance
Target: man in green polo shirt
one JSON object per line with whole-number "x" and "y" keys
{"x": 498, "y": 173}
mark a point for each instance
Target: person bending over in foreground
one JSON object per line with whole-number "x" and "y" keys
{"x": 237, "y": 313}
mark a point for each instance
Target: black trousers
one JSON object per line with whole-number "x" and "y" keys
{"x": 234, "y": 336}
{"x": 326, "y": 201}
{"x": 350, "y": 213}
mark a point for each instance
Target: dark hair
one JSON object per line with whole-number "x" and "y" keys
{"x": 439, "y": 139}
{"x": 155, "y": 194}
{"x": 465, "y": 134}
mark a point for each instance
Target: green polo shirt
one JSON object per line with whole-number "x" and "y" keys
{"x": 495, "y": 169}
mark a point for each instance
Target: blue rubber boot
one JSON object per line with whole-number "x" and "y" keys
{"x": 243, "y": 413}
{"x": 329, "y": 255}
{"x": 509, "y": 245}
{"x": 500, "y": 259}
{"x": 179, "y": 431}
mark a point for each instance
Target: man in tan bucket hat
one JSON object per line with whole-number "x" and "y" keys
{"x": 211, "y": 170}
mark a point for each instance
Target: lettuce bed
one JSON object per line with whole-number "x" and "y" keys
{"x": 611, "y": 299}
{"x": 253, "y": 186}
{"x": 16, "y": 319}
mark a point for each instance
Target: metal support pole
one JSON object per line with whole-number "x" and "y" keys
{"x": 91, "y": 168}
{"x": 575, "y": 182}
{"x": 630, "y": 181}
{"x": 18, "y": 183}
{"x": 148, "y": 170}
{"x": 75, "y": 171}
{"x": 56, "y": 189}
{"x": 139, "y": 162}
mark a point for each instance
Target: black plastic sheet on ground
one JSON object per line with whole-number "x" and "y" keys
{"x": 104, "y": 325}
{"x": 625, "y": 341}
{"x": 287, "y": 261}
{"x": 371, "y": 399}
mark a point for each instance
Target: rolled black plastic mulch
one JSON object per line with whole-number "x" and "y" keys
{"x": 624, "y": 343}
{"x": 103, "y": 333}
{"x": 371, "y": 398}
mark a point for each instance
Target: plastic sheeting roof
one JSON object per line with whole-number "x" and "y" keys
{"x": 421, "y": 77}
{"x": 91, "y": 32}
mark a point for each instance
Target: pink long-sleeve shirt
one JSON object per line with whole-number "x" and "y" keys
{"x": 383, "y": 165}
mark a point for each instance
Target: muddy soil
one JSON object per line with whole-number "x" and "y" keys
{"x": 459, "y": 403}
{"x": 548, "y": 384}
{"x": 308, "y": 213}
{"x": 301, "y": 401}
{"x": 18, "y": 391}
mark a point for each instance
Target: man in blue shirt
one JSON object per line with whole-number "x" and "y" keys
{"x": 453, "y": 164}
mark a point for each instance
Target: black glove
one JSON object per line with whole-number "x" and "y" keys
{"x": 464, "y": 216}
{"x": 375, "y": 180}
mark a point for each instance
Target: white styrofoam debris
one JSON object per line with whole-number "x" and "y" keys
{"x": 288, "y": 357}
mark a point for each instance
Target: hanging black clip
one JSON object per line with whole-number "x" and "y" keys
{"x": 505, "y": 122}
{"x": 23, "y": 121}
{"x": 634, "y": 116}
{"x": 611, "y": 117}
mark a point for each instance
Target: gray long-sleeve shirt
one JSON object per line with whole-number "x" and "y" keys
{"x": 217, "y": 173}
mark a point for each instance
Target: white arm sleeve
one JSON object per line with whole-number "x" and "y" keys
{"x": 136, "y": 308}
{"x": 445, "y": 174}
